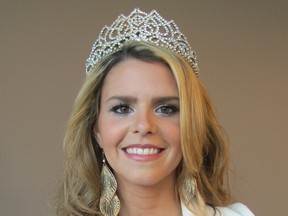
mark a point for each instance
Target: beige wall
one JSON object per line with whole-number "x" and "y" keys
{"x": 242, "y": 48}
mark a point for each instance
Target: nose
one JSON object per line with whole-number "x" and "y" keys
{"x": 144, "y": 123}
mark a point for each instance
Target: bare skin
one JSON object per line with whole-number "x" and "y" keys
{"x": 160, "y": 199}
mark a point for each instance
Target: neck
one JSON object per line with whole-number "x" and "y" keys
{"x": 159, "y": 199}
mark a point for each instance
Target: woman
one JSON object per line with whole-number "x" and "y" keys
{"x": 143, "y": 138}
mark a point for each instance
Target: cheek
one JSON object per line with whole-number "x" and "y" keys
{"x": 174, "y": 132}
{"x": 111, "y": 132}
{"x": 172, "y": 135}
{"x": 176, "y": 139}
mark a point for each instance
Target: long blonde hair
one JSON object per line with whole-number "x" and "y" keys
{"x": 204, "y": 148}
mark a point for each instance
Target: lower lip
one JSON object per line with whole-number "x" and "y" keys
{"x": 143, "y": 158}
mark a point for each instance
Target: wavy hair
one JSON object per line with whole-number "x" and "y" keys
{"x": 203, "y": 144}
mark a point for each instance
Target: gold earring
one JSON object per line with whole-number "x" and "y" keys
{"x": 109, "y": 202}
{"x": 189, "y": 189}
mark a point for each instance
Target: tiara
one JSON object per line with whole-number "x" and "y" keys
{"x": 140, "y": 26}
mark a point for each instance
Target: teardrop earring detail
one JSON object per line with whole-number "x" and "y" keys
{"x": 109, "y": 202}
{"x": 189, "y": 189}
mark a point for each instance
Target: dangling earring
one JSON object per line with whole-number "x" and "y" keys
{"x": 189, "y": 189}
{"x": 109, "y": 202}
{"x": 190, "y": 192}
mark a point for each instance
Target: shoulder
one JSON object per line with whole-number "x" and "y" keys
{"x": 236, "y": 209}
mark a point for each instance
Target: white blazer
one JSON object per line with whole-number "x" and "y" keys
{"x": 236, "y": 209}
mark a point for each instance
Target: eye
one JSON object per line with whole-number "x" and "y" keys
{"x": 121, "y": 109}
{"x": 167, "y": 109}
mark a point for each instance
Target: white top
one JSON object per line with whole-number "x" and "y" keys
{"x": 236, "y": 209}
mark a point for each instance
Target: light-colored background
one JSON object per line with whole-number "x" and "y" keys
{"x": 242, "y": 48}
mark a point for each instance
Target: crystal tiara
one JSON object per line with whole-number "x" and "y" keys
{"x": 140, "y": 26}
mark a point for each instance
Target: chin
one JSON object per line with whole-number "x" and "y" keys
{"x": 149, "y": 180}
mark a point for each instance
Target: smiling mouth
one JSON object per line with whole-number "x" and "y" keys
{"x": 143, "y": 151}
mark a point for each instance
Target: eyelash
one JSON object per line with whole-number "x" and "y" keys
{"x": 172, "y": 109}
{"x": 118, "y": 109}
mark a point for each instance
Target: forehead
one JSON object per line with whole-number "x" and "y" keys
{"x": 136, "y": 76}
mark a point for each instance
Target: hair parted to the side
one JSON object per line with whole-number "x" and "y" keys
{"x": 204, "y": 149}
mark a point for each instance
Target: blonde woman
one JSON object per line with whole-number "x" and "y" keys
{"x": 143, "y": 138}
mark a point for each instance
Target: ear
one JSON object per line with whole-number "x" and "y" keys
{"x": 97, "y": 135}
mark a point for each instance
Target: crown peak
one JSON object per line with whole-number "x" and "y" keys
{"x": 140, "y": 26}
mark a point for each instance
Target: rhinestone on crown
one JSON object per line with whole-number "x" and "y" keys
{"x": 140, "y": 26}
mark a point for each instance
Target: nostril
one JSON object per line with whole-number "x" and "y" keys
{"x": 144, "y": 123}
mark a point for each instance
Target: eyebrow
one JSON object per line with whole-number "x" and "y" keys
{"x": 129, "y": 99}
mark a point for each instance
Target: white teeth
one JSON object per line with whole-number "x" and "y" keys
{"x": 142, "y": 151}
{"x": 139, "y": 151}
{"x": 129, "y": 151}
{"x": 146, "y": 151}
